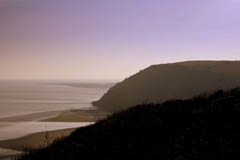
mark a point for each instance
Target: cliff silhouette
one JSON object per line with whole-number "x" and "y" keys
{"x": 159, "y": 83}
{"x": 206, "y": 127}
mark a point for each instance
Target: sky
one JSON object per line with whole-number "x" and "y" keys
{"x": 112, "y": 39}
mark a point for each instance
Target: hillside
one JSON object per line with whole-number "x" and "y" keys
{"x": 163, "y": 82}
{"x": 202, "y": 128}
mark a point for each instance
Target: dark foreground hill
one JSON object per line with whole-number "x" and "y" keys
{"x": 163, "y": 82}
{"x": 202, "y": 128}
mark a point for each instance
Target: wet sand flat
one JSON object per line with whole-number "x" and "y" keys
{"x": 30, "y": 108}
{"x": 6, "y": 154}
{"x": 35, "y": 140}
{"x": 20, "y": 129}
{"x": 78, "y": 116}
{"x": 31, "y": 117}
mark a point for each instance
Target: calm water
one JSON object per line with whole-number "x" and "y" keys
{"x": 24, "y": 97}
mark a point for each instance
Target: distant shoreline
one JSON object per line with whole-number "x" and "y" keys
{"x": 53, "y": 117}
{"x": 86, "y": 85}
{"x": 12, "y": 147}
{"x": 86, "y": 115}
{"x": 38, "y": 116}
{"x": 35, "y": 140}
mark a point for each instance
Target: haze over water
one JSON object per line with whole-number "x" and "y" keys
{"x": 30, "y": 97}
{"x": 24, "y": 97}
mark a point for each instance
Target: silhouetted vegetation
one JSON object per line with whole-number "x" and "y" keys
{"x": 206, "y": 127}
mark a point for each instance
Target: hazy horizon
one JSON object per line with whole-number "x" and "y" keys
{"x": 106, "y": 75}
{"x": 67, "y": 80}
{"x": 95, "y": 80}
{"x": 91, "y": 39}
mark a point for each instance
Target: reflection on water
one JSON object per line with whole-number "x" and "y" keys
{"x": 27, "y": 97}
{"x": 24, "y": 97}
{"x": 37, "y": 99}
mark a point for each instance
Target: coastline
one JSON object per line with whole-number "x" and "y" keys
{"x": 37, "y": 139}
{"x": 32, "y": 117}
{"x": 19, "y": 126}
{"x": 78, "y": 116}
{"x": 29, "y": 130}
{"x": 13, "y": 147}
{"x": 8, "y": 154}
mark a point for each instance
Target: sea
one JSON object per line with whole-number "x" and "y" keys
{"x": 25, "y": 97}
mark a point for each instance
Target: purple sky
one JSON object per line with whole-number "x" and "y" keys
{"x": 112, "y": 39}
